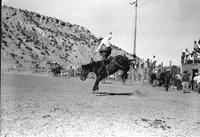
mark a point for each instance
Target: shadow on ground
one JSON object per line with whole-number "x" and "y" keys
{"x": 113, "y": 94}
{"x": 105, "y": 82}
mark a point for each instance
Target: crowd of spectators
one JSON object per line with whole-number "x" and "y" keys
{"x": 182, "y": 81}
{"x": 190, "y": 83}
{"x": 189, "y": 57}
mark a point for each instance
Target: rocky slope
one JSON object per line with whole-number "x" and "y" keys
{"x": 28, "y": 38}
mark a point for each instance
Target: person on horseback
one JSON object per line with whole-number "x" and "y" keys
{"x": 105, "y": 48}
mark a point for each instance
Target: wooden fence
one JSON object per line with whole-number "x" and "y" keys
{"x": 132, "y": 75}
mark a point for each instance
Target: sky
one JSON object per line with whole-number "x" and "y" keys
{"x": 164, "y": 27}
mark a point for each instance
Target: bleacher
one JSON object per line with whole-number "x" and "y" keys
{"x": 191, "y": 57}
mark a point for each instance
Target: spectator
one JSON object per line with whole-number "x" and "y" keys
{"x": 183, "y": 57}
{"x": 183, "y": 54}
{"x": 197, "y": 81}
{"x": 142, "y": 63}
{"x": 186, "y": 53}
{"x": 192, "y": 84}
{"x": 190, "y": 59}
{"x": 198, "y": 46}
{"x": 178, "y": 81}
{"x": 198, "y": 58}
{"x": 185, "y": 81}
{"x": 167, "y": 79}
{"x": 195, "y": 46}
{"x": 154, "y": 61}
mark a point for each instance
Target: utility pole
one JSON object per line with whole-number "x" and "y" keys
{"x": 135, "y": 28}
{"x": 135, "y": 32}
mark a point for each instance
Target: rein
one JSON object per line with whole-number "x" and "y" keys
{"x": 107, "y": 71}
{"x": 117, "y": 63}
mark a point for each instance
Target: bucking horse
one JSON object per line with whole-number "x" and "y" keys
{"x": 119, "y": 62}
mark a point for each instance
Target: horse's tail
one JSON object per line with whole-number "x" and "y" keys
{"x": 130, "y": 61}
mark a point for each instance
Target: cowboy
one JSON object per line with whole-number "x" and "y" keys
{"x": 104, "y": 48}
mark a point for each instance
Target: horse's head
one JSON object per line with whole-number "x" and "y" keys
{"x": 91, "y": 67}
{"x": 85, "y": 70}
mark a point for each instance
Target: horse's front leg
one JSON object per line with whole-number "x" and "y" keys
{"x": 102, "y": 74}
{"x": 96, "y": 84}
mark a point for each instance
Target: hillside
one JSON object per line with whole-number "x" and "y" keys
{"x": 28, "y": 38}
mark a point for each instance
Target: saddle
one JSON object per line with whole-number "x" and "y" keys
{"x": 106, "y": 61}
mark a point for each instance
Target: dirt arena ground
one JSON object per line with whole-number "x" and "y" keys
{"x": 45, "y": 106}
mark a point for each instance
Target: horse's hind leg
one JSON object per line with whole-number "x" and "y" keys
{"x": 124, "y": 76}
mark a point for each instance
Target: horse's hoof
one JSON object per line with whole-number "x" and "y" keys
{"x": 94, "y": 91}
